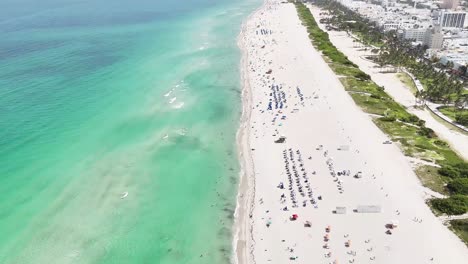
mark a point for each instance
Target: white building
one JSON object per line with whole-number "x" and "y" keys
{"x": 434, "y": 38}
{"x": 450, "y": 4}
{"x": 387, "y": 26}
{"x": 414, "y": 34}
{"x": 450, "y": 19}
{"x": 426, "y": 35}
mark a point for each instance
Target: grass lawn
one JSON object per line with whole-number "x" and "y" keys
{"x": 460, "y": 227}
{"x": 407, "y": 81}
{"x": 373, "y": 99}
{"x": 353, "y": 84}
{"x": 431, "y": 179}
{"x": 344, "y": 70}
{"x": 369, "y": 105}
{"x": 416, "y": 145}
{"x": 451, "y": 111}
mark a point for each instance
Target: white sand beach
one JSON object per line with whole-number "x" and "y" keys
{"x": 290, "y": 91}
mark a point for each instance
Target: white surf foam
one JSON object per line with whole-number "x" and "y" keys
{"x": 179, "y": 105}
{"x": 169, "y": 93}
{"x": 182, "y": 131}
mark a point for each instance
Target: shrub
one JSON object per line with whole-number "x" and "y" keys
{"x": 388, "y": 119}
{"x": 449, "y": 171}
{"x": 362, "y": 76}
{"x": 462, "y": 169}
{"x": 462, "y": 119}
{"x": 408, "y": 119}
{"x": 458, "y": 186}
{"x": 413, "y": 119}
{"x": 440, "y": 143}
{"x": 455, "y": 205}
{"x": 427, "y": 132}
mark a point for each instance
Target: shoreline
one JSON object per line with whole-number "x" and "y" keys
{"x": 245, "y": 200}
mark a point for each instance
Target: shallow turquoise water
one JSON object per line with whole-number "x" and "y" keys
{"x": 99, "y": 99}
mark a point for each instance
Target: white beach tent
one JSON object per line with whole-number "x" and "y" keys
{"x": 369, "y": 209}
{"x": 340, "y": 210}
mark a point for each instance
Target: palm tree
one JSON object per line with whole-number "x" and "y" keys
{"x": 461, "y": 102}
{"x": 462, "y": 69}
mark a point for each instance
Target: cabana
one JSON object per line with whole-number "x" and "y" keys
{"x": 340, "y": 210}
{"x": 369, "y": 209}
{"x": 343, "y": 147}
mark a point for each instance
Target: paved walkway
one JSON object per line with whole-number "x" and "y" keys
{"x": 446, "y": 218}
{"x": 432, "y": 106}
{"x": 396, "y": 89}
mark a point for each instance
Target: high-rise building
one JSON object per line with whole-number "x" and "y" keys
{"x": 414, "y": 34}
{"x": 450, "y": 19}
{"x": 434, "y": 38}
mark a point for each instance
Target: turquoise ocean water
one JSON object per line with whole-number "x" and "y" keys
{"x": 117, "y": 130}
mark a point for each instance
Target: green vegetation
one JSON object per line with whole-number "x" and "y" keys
{"x": 462, "y": 119}
{"x": 460, "y": 227}
{"x": 454, "y": 205}
{"x": 430, "y": 178}
{"x": 321, "y": 40}
{"x": 415, "y": 138}
{"x": 456, "y": 114}
{"x": 419, "y": 142}
{"x": 456, "y": 170}
{"x": 448, "y": 125}
{"x": 448, "y": 111}
{"x": 458, "y": 186}
{"x": 406, "y": 79}
{"x": 441, "y": 82}
{"x": 348, "y": 20}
